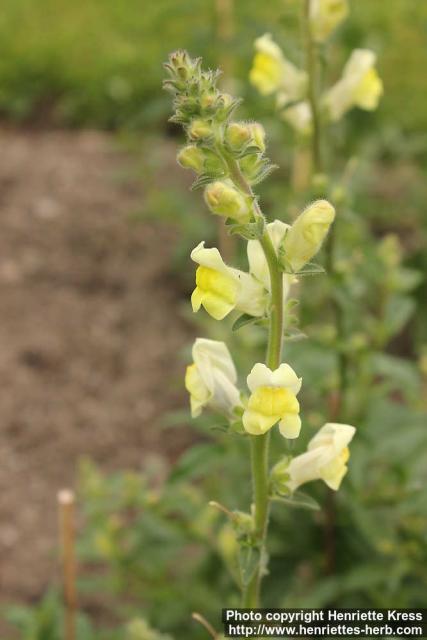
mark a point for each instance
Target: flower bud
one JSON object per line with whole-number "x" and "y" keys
{"x": 304, "y": 238}
{"x": 238, "y": 134}
{"x": 258, "y": 135}
{"x": 325, "y": 16}
{"x": 181, "y": 69}
{"x": 191, "y": 157}
{"x": 199, "y": 129}
{"x": 207, "y": 100}
{"x": 224, "y": 200}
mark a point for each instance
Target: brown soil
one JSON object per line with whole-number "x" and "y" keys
{"x": 90, "y": 333}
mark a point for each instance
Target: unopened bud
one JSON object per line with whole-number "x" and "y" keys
{"x": 224, "y": 200}
{"x": 200, "y": 129}
{"x": 258, "y": 135}
{"x": 305, "y": 237}
{"x": 207, "y": 100}
{"x": 191, "y": 157}
{"x": 238, "y": 134}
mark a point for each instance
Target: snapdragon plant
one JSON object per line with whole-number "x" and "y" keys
{"x": 228, "y": 158}
{"x": 310, "y": 108}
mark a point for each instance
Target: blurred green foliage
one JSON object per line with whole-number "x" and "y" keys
{"x": 99, "y": 62}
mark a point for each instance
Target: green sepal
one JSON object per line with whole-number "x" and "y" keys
{"x": 237, "y": 427}
{"x": 249, "y": 231}
{"x": 205, "y": 179}
{"x": 263, "y": 173}
{"x": 309, "y": 269}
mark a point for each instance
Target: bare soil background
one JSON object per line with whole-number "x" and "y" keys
{"x": 89, "y": 320}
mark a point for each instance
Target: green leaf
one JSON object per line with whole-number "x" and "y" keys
{"x": 310, "y": 269}
{"x": 198, "y": 461}
{"x": 398, "y": 311}
{"x": 293, "y": 334}
{"x": 244, "y": 320}
{"x": 298, "y": 500}
{"x": 248, "y": 558}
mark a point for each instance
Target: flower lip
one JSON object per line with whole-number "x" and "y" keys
{"x": 284, "y": 376}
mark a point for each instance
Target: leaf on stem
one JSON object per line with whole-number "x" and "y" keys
{"x": 248, "y": 558}
{"x": 245, "y": 319}
{"x": 298, "y": 500}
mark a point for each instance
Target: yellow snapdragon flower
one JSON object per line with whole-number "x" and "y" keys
{"x": 299, "y": 117}
{"x": 325, "y": 459}
{"x": 211, "y": 378}
{"x": 360, "y": 86}
{"x": 305, "y": 237}
{"x": 325, "y": 16}
{"x": 272, "y": 72}
{"x": 258, "y": 266}
{"x": 273, "y": 399}
{"x": 220, "y": 288}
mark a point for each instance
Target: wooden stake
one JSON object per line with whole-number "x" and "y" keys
{"x": 66, "y": 501}
{"x": 201, "y": 620}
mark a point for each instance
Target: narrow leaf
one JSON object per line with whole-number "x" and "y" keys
{"x": 298, "y": 500}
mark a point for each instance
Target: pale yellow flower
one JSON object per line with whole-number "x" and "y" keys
{"x": 360, "y": 86}
{"x": 211, "y": 378}
{"x": 271, "y": 71}
{"x": 325, "y": 16}
{"x": 220, "y": 288}
{"x": 299, "y": 117}
{"x": 258, "y": 266}
{"x": 273, "y": 399}
{"x": 325, "y": 459}
{"x": 305, "y": 237}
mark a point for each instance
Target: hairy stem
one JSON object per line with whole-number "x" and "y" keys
{"x": 260, "y": 444}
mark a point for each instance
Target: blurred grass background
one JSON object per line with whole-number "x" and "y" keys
{"x": 98, "y": 62}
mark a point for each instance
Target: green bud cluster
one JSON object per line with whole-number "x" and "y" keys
{"x": 213, "y": 138}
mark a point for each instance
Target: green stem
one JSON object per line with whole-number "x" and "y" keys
{"x": 260, "y": 444}
{"x": 338, "y": 406}
{"x": 318, "y": 167}
{"x": 313, "y": 87}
